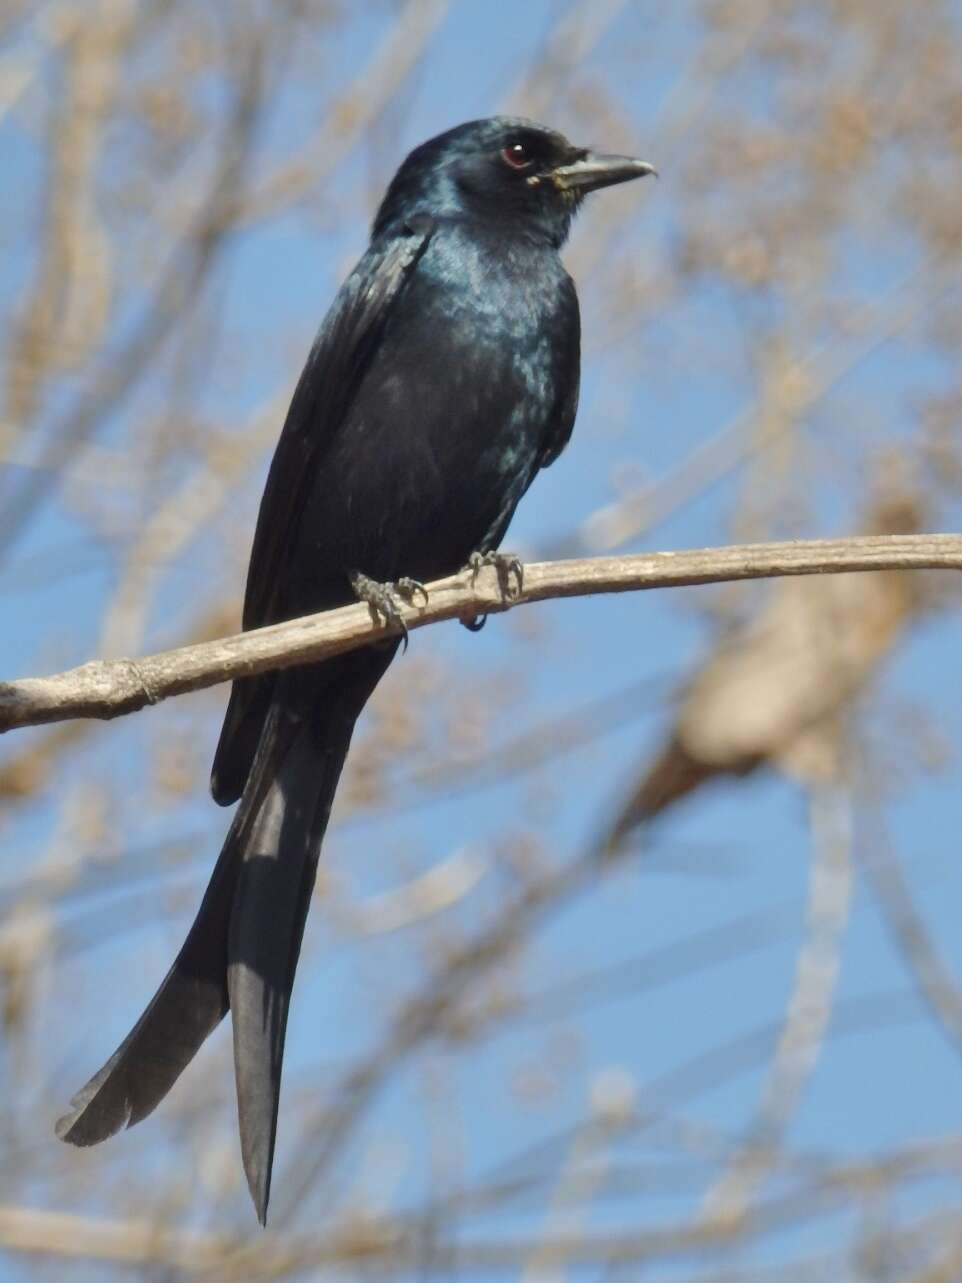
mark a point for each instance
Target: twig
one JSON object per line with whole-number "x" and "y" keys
{"x": 109, "y": 688}
{"x": 936, "y": 981}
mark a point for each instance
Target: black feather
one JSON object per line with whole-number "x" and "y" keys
{"x": 445, "y": 375}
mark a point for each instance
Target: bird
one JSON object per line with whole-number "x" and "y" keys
{"x": 777, "y": 691}
{"x": 444, "y": 377}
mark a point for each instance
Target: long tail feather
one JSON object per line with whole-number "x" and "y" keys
{"x": 192, "y": 999}
{"x": 190, "y": 1003}
{"x": 267, "y": 925}
{"x": 241, "y": 952}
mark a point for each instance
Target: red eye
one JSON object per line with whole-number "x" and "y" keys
{"x": 516, "y": 155}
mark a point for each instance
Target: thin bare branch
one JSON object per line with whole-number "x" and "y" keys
{"x": 109, "y": 688}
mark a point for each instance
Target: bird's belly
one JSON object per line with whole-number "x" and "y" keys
{"x": 425, "y": 475}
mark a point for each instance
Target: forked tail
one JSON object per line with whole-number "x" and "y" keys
{"x": 241, "y": 952}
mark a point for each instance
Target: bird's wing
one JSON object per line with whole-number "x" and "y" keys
{"x": 342, "y": 351}
{"x": 567, "y": 377}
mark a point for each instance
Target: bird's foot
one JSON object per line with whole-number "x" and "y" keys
{"x": 508, "y": 566}
{"x": 411, "y": 589}
{"x": 385, "y": 599}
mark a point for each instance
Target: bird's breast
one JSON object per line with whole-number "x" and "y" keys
{"x": 498, "y": 290}
{"x": 447, "y": 428}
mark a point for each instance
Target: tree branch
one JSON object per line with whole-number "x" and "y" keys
{"x": 109, "y": 688}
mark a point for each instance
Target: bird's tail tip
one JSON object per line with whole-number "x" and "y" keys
{"x": 65, "y": 1124}
{"x": 258, "y": 1176}
{"x": 83, "y": 1125}
{"x": 260, "y": 1209}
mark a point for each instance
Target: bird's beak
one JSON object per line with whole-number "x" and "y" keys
{"x": 592, "y": 171}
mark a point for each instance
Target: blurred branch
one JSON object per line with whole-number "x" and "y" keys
{"x": 776, "y": 690}
{"x": 945, "y": 1268}
{"x": 180, "y": 286}
{"x": 108, "y": 688}
{"x": 583, "y": 1175}
{"x": 64, "y": 318}
{"x": 57, "y": 1234}
{"x": 347, "y": 118}
{"x": 675, "y": 1088}
{"x": 809, "y": 1007}
{"x": 805, "y": 384}
{"x": 169, "y": 530}
{"x": 421, "y": 897}
{"x": 385, "y": 1244}
{"x": 22, "y": 776}
{"x": 937, "y": 983}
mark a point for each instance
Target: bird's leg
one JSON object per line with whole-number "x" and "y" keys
{"x": 508, "y": 565}
{"x": 383, "y": 598}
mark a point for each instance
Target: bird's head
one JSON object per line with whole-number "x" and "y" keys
{"x": 515, "y": 174}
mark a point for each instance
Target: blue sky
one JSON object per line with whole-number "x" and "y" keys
{"x": 667, "y": 381}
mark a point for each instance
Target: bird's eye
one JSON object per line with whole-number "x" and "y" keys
{"x": 516, "y": 155}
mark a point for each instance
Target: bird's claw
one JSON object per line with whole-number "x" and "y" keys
{"x": 507, "y": 566}
{"x": 411, "y": 590}
{"x": 384, "y": 602}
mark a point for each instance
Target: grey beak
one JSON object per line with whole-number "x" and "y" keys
{"x": 593, "y": 171}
